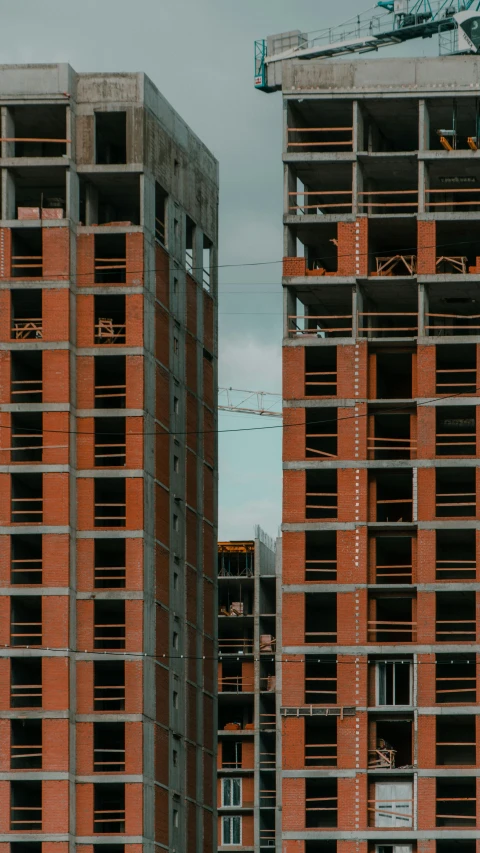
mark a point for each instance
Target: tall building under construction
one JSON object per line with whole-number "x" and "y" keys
{"x": 380, "y": 628}
{"x": 108, "y": 293}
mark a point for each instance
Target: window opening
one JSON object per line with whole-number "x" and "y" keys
{"x": 110, "y": 442}
{"x": 109, "y": 625}
{"x": 110, "y": 563}
{"x": 455, "y": 679}
{"x": 232, "y": 831}
{"x": 394, "y": 682}
{"x": 110, "y": 319}
{"x": 109, "y": 685}
{"x": 110, "y": 137}
{"x": 109, "y": 747}
{"x": 27, "y": 438}
{"x": 320, "y": 371}
{"x": 26, "y": 559}
{"x": 26, "y": 744}
{"x": 320, "y": 555}
{"x": 27, "y": 314}
{"x": 26, "y": 683}
{"x": 392, "y": 806}
{"x": 110, "y": 382}
{"x": 110, "y": 259}
{"x": 189, "y": 240}
{"x": 161, "y": 198}
{"x": 26, "y": 377}
{"x": 26, "y": 806}
{"x": 27, "y": 253}
{"x": 109, "y": 807}
{"x": 26, "y": 620}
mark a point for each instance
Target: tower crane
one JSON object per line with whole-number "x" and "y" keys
{"x": 249, "y": 402}
{"x": 389, "y": 22}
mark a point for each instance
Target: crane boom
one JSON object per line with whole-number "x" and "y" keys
{"x": 390, "y": 22}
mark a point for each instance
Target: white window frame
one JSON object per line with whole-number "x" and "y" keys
{"x": 380, "y": 667}
{"x": 395, "y": 848}
{"x": 227, "y": 782}
{"x": 226, "y": 837}
{"x": 396, "y": 798}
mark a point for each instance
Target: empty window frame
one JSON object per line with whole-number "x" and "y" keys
{"x": 110, "y": 259}
{"x": 320, "y": 371}
{"x": 455, "y": 617}
{"x": 26, "y": 382}
{"x": 26, "y": 559}
{"x": 110, "y": 442}
{"x": 27, "y": 498}
{"x": 456, "y": 744}
{"x": 109, "y": 625}
{"x": 231, "y": 754}
{"x": 109, "y": 807}
{"x": 456, "y": 558}
{"x": 26, "y": 620}
{"x": 320, "y": 680}
{"x": 231, "y": 792}
{"x": 394, "y": 375}
{"x": 26, "y": 682}
{"x": 110, "y": 138}
{"x": 456, "y": 430}
{"x": 393, "y": 559}
{"x": 394, "y": 495}
{"x": 321, "y": 618}
{"x": 320, "y": 742}
{"x": 110, "y": 319}
{"x": 110, "y": 561}
{"x": 393, "y": 619}
{"x": 26, "y": 314}
{"x": 109, "y": 685}
{"x": 27, "y": 437}
{"x": 455, "y": 492}
{"x": 456, "y": 369}
{"x": 26, "y": 744}
{"x": 27, "y": 253}
{"x": 110, "y": 382}
{"x": 394, "y": 682}
{"x": 320, "y": 555}
{"x": 321, "y": 495}
{"x": 39, "y": 130}
{"x": 109, "y": 747}
{"x": 110, "y": 508}
{"x": 231, "y": 831}
{"x": 321, "y": 803}
{"x": 321, "y": 433}
{"x": 455, "y": 679}
{"x": 390, "y": 743}
{"x": 26, "y": 806}
{"x": 390, "y": 435}
{"x": 456, "y": 804}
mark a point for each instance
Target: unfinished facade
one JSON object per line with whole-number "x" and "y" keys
{"x": 247, "y": 693}
{"x": 107, "y": 467}
{"x": 381, "y": 442}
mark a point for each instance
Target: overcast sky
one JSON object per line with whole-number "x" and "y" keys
{"x": 199, "y": 53}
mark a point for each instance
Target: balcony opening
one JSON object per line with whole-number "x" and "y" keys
{"x": 325, "y": 317}
{"x": 231, "y": 680}
{"x": 27, "y": 257}
{"x": 385, "y": 316}
{"x": 321, "y": 803}
{"x": 393, "y": 848}
{"x": 390, "y": 743}
{"x": 455, "y": 618}
{"x": 110, "y": 138}
{"x": 393, "y": 619}
{"x": 109, "y": 685}
{"x": 319, "y": 190}
{"x": 394, "y": 375}
{"x": 393, "y": 682}
{"x": 109, "y": 807}
{"x": 110, "y": 259}
{"x": 235, "y": 599}
{"x": 390, "y": 186}
{"x": 26, "y": 377}
{"x": 391, "y": 437}
{"x": 321, "y": 742}
{"x": 456, "y": 369}
{"x": 110, "y": 442}
{"x": 453, "y": 315}
{"x": 231, "y": 754}
{"x": 393, "y": 495}
{"x": 110, "y": 508}
{"x": 161, "y": 199}
{"x": 317, "y": 244}
{"x": 392, "y": 559}
{"x": 321, "y": 495}
{"x": 391, "y": 804}
{"x": 37, "y": 194}
{"x": 320, "y": 555}
{"x": 456, "y": 428}
{"x": 27, "y": 437}
{"x": 27, "y": 499}
{"x": 110, "y": 382}
{"x": 379, "y": 127}
{"x": 110, "y": 319}
{"x": 321, "y": 680}
{"x": 456, "y": 804}
{"x": 26, "y": 745}
{"x": 26, "y": 683}
{"x": 207, "y": 264}
{"x": 25, "y": 847}
{"x": 455, "y": 679}
{"x": 321, "y": 433}
{"x": 110, "y": 199}
{"x": 110, "y": 566}
{"x": 392, "y": 246}
{"x": 189, "y": 241}
{"x": 456, "y": 555}
{"x": 235, "y": 636}
{"x": 27, "y": 322}
{"x": 40, "y": 131}
{"x": 312, "y": 130}
{"x": 457, "y": 248}
{"x": 320, "y": 371}
{"x": 26, "y": 559}
{"x": 451, "y": 190}
{"x": 236, "y": 718}
{"x": 455, "y": 493}
{"x": 321, "y": 613}
{"x": 456, "y": 741}
{"x": 26, "y": 806}
{"x": 109, "y": 747}
{"x": 26, "y": 620}
{"x": 109, "y": 625}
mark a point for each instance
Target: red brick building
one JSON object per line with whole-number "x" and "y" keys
{"x": 107, "y": 468}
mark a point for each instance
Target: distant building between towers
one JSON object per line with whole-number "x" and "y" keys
{"x": 379, "y": 602}
{"x": 108, "y": 471}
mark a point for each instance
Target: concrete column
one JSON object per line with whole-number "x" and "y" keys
{"x": 358, "y": 128}
{"x": 8, "y": 206}
{"x": 91, "y": 205}
{"x": 423, "y": 184}
{"x": 289, "y": 308}
{"x": 423, "y": 126}
{"x": 422, "y": 309}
